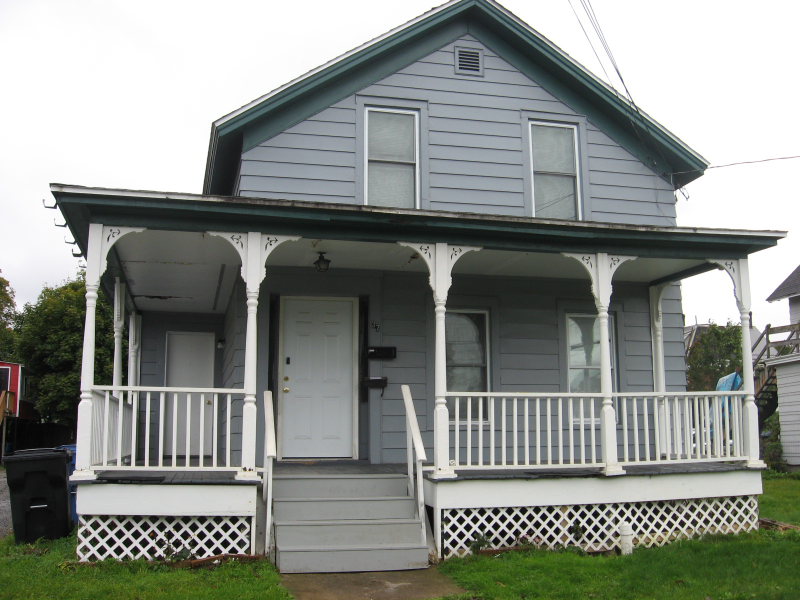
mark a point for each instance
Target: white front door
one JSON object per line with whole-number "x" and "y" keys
{"x": 190, "y": 364}
{"x": 317, "y": 378}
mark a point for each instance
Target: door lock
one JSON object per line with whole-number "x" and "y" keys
{"x": 285, "y": 390}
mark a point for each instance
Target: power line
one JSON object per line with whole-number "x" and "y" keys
{"x": 744, "y": 162}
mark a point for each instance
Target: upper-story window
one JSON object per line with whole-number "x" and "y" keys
{"x": 556, "y": 185}
{"x": 392, "y": 158}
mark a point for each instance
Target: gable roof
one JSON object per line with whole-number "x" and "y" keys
{"x": 790, "y": 287}
{"x": 507, "y": 35}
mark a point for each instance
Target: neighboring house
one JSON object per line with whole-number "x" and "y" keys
{"x": 780, "y": 365}
{"x": 442, "y": 208}
{"x": 14, "y": 392}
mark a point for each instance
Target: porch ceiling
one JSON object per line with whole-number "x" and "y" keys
{"x": 178, "y": 271}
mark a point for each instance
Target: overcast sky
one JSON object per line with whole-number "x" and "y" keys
{"x": 122, "y": 94}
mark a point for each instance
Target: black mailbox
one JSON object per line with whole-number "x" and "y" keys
{"x": 381, "y": 352}
{"x": 376, "y": 382}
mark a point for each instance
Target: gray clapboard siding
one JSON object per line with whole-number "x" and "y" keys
{"x": 789, "y": 398}
{"x": 794, "y": 309}
{"x": 474, "y": 142}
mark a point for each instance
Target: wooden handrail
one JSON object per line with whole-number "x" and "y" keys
{"x": 411, "y": 414}
{"x": 270, "y": 446}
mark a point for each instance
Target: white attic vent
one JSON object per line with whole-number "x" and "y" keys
{"x": 469, "y": 61}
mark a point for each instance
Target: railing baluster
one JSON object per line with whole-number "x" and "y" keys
{"x": 624, "y": 411}
{"x": 561, "y": 431}
{"x": 635, "y": 430}
{"x": 570, "y": 419}
{"x": 187, "y": 460}
{"x": 656, "y": 427}
{"x": 707, "y": 412}
{"x": 503, "y": 430}
{"x": 161, "y": 427}
{"x": 582, "y": 431}
{"x": 174, "y": 429}
{"x": 593, "y": 434}
{"x": 480, "y": 431}
{"x": 538, "y": 437}
{"x": 646, "y": 421}
{"x": 105, "y": 428}
{"x": 697, "y": 430}
{"x": 201, "y": 461}
{"x": 676, "y": 424}
{"x": 492, "y": 424}
{"x": 457, "y": 431}
{"x": 516, "y": 433}
{"x": 527, "y": 402}
{"x": 549, "y": 426}
{"x": 148, "y": 407}
{"x": 737, "y": 425}
{"x": 228, "y": 432}
{"x": 134, "y": 424}
{"x": 717, "y": 426}
{"x": 469, "y": 431}
{"x": 215, "y": 441}
{"x": 687, "y": 428}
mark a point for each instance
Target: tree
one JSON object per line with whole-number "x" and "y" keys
{"x": 8, "y": 317}
{"x": 716, "y": 352}
{"x": 50, "y": 344}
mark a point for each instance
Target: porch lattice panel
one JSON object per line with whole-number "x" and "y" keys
{"x": 595, "y": 527}
{"x": 148, "y": 537}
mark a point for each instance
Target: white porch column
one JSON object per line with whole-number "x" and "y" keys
{"x": 740, "y": 274}
{"x": 440, "y": 258}
{"x": 254, "y": 248}
{"x": 601, "y": 267}
{"x": 119, "y": 324}
{"x": 101, "y": 239}
{"x": 134, "y": 332}
{"x": 659, "y": 371}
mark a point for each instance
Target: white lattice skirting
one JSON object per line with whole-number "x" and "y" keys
{"x": 595, "y": 527}
{"x": 151, "y": 537}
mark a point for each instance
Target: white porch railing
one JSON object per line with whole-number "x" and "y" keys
{"x": 511, "y": 431}
{"x": 681, "y": 427}
{"x": 165, "y": 428}
{"x": 415, "y": 450}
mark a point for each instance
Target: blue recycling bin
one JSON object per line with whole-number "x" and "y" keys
{"x": 73, "y": 489}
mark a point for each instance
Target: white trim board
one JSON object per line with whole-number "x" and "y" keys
{"x": 167, "y": 500}
{"x": 475, "y": 493}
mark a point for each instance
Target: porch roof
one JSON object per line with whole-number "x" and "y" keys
{"x": 195, "y": 212}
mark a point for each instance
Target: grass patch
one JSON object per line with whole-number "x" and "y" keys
{"x": 781, "y": 500}
{"x": 50, "y": 570}
{"x": 764, "y": 565}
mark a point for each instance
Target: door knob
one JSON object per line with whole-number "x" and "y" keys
{"x": 285, "y": 390}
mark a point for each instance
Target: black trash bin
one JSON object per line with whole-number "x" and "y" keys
{"x": 37, "y": 483}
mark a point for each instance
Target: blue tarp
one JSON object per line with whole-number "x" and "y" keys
{"x": 729, "y": 383}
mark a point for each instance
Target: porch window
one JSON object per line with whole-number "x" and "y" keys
{"x": 555, "y": 171}
{"x": 392, "y": 158}
{"x": 467, "y": 348}
{"x": 583, "y": 338}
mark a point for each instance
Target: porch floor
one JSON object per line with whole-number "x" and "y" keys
{"x": 559, "y": 473}
{"x": 336, "y": 467}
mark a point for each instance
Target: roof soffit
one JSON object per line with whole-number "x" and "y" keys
{"x": 506, "y": 35}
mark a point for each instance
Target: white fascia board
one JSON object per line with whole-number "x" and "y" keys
{"x": 167, "y": 500}
{"x": 501, "y": 493}
{"x": 782, "y": 360}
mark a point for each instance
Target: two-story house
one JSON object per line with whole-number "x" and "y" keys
{"x": 428, "y": 293}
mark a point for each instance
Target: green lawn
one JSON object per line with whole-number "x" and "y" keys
{"x": 48, "y": 570}
{"x": 781, "y": 500}
{"x": 763, "y": 565}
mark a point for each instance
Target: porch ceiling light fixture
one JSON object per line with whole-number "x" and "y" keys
{"x": 322, "y": 263}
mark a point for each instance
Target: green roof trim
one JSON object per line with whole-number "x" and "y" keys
{"x": 528, "y": 51}
{"x": 185, "y": 212}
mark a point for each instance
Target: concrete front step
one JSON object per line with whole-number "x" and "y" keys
{"x": 339, "y": 486}
{"x": 339, "y": 533}
{"x": 397, "y": 557}
{"x": 313, "y": 509}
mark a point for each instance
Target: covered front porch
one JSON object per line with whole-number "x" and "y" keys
{"x": 564, "y": 376}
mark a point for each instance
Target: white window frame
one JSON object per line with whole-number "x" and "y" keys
{"x": 488, "y": 352}
{"x": 577, "y": 153}
{"x": 415, "y": 113}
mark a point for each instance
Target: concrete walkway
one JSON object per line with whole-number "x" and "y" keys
{"x": 421, "y": 584}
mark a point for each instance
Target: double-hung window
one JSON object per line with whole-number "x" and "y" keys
{"x": 392, "y": 158}
{"x": 583, "y": 354}
{"x": 556, "y": 189}
{"x": 467, "y": 352}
